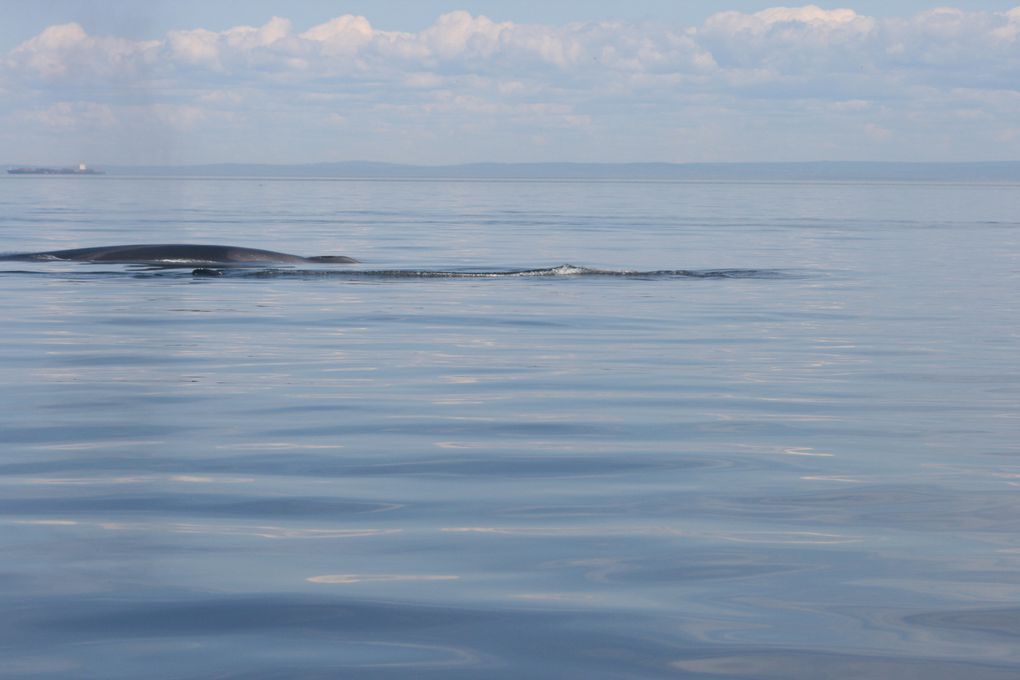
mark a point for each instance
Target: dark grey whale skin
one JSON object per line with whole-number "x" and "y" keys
{"x": 175, "y": 254}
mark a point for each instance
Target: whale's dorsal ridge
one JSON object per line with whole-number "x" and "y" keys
{"x": 176, "y": 254}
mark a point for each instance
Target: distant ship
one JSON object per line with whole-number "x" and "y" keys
{"x": 82, "y": 169}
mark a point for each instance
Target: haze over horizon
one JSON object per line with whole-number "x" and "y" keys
{"x": 438, "y": 83}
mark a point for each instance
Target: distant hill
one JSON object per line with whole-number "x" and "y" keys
{"x": 1005, "y": 171}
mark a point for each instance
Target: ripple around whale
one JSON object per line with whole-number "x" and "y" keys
{"x": 266, "y": 270}
{"x": 561, "y": 271}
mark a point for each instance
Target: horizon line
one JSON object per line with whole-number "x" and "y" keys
{"x": 557, "y": 162}
{"x": 1001, "y": 170}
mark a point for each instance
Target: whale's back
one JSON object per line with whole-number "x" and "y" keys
{"x": 183, "y": 254}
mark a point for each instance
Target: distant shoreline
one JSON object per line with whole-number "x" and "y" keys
{"x": 1004, "y": 171}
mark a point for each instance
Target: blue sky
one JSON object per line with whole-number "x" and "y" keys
{"x": 151, "y": 19}
{"x": 431, "y": 81}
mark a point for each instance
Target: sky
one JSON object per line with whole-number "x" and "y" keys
{"x": 439, "y": 82}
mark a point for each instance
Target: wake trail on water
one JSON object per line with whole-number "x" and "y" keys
{"x": 562, "y": 271}
{"x": 565, "y": 271}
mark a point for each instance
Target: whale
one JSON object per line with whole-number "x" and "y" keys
{"x": 175, "y": 255}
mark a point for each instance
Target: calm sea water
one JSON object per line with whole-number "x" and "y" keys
{"x": 805, "y": 467}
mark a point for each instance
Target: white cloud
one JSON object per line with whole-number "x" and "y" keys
{"x": 341, "y": 36}
{"x": 850, "y": 105}
{"x": 458, "y": 34}
{"x": 789, "y": 22}
{"x": 66, "y": 51}
{"x": 777, "y": 42}
{"x": 834, "y": 68}
{"x": 197, "y": 46}
{"x": 221, "y": 97}
{"x": 1008, "y": 135}
{"x": 236, "y": 50}
{"x": 249, "y": 37}
{"x": 71, "y": 116}
{"x": 86, "y": 116}
{"x": 1010, "y": 31}
{"x": 175, "y": 117}
{"x": 877, "y": 132}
